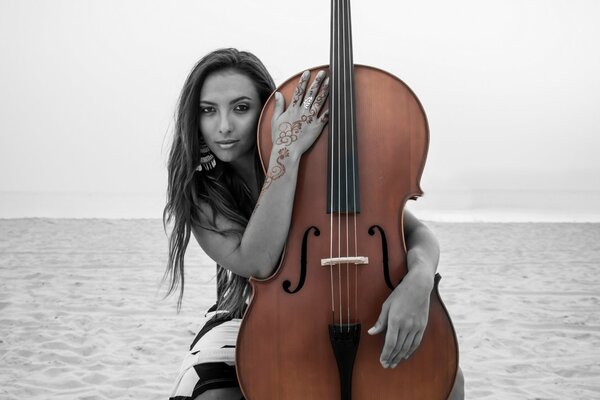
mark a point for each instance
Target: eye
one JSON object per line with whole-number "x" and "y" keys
{"x": 207, "y": 110}
{"x": 242, "y": 107}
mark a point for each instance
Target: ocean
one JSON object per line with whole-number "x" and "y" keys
{"x": 459, "y": 205}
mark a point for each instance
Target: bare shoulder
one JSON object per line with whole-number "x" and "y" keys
{"x": 217, "y": 235}
{"x": 212, "y": 222}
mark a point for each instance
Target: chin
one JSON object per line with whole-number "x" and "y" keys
{"x": 226, "y": 158}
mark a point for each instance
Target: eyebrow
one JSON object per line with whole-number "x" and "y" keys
{"x": 231, "y": 102}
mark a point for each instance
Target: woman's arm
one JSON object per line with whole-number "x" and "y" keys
{"x": 423, "y": 252}
{"x": 257, "y": 251}
{"x": 405, "y": 313}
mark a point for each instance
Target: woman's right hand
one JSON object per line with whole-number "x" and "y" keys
{"x": 297, "y": 127}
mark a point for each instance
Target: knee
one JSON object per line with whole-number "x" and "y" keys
{"x": 458, "y": 390}
{"x": 221, "y": 394}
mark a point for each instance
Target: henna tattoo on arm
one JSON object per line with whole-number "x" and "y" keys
{"x": 276, "y": 172}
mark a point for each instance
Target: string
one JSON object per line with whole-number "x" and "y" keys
{"x": 353, "y": 142}
{"x": 345, "y": 102}
{"x": 339, "y": 187}
{"x": 332, "y": 128}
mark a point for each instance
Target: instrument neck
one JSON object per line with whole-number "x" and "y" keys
{"x": 343, "y": 153}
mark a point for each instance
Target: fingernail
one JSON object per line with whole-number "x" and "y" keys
{"x": 371, "y": 331}
{"x": 394, "y": 365}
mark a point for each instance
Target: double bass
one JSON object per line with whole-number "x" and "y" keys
{"x": 304, "y": 332}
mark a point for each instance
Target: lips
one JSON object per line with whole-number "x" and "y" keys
{"x": 226, "y": 144}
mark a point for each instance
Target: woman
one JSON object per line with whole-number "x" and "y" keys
{"x": 240, "y": 218}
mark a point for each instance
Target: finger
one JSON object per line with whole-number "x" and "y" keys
{"x": 279, "y": 106}
{"x": 321, "y": 97}
{"x": 397, "y": 350}
{"x": 416, "y": 342}
{"x": 391, "y": 341}
{"x": 300, "y": 89}
{"x": 410, "y": 337}
{"x": 402, "y": 353}
{"x": 309, "y": 98}
{"x": 393, "y": 363}
{"x": 324, "y": 120}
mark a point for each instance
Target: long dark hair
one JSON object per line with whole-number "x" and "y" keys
{"x": 221, "y": 188}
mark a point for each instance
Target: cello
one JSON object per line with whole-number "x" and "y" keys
{"x": 303, "y": 335}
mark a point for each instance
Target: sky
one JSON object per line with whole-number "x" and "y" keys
{"x": 88, "y": 91}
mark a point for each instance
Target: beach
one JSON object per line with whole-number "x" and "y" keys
{"x": 83, "y": 313}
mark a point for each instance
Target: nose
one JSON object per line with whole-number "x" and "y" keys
{"x": 225, "y": 124}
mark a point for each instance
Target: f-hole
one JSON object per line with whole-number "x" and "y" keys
{"x": 384, "y": 252}
{"x": 287, "y": 284}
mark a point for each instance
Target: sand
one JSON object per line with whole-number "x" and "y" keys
{"x": 82, "y": 314}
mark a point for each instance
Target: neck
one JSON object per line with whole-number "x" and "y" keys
{"x": 244, "y": 167}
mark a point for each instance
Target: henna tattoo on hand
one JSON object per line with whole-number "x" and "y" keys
{"x": 316, "y": 105}
{"x": 299, "y": 92}
{"x": 288, "y": 133}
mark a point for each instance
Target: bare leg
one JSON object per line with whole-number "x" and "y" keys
{"x": 458, "y": 390}
{"x": 221, "y": 394}
{"x": 457, "y": 393}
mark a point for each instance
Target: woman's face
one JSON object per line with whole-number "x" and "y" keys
{"x": 229, "y": 110}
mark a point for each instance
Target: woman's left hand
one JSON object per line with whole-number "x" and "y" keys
{"x": 300, "y": 124}
{"x": 404, "y": 317}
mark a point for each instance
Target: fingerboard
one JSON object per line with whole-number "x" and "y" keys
{"x": 343, "y": 191}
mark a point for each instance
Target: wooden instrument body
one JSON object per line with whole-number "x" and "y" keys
{"x": 284, "y": 350}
